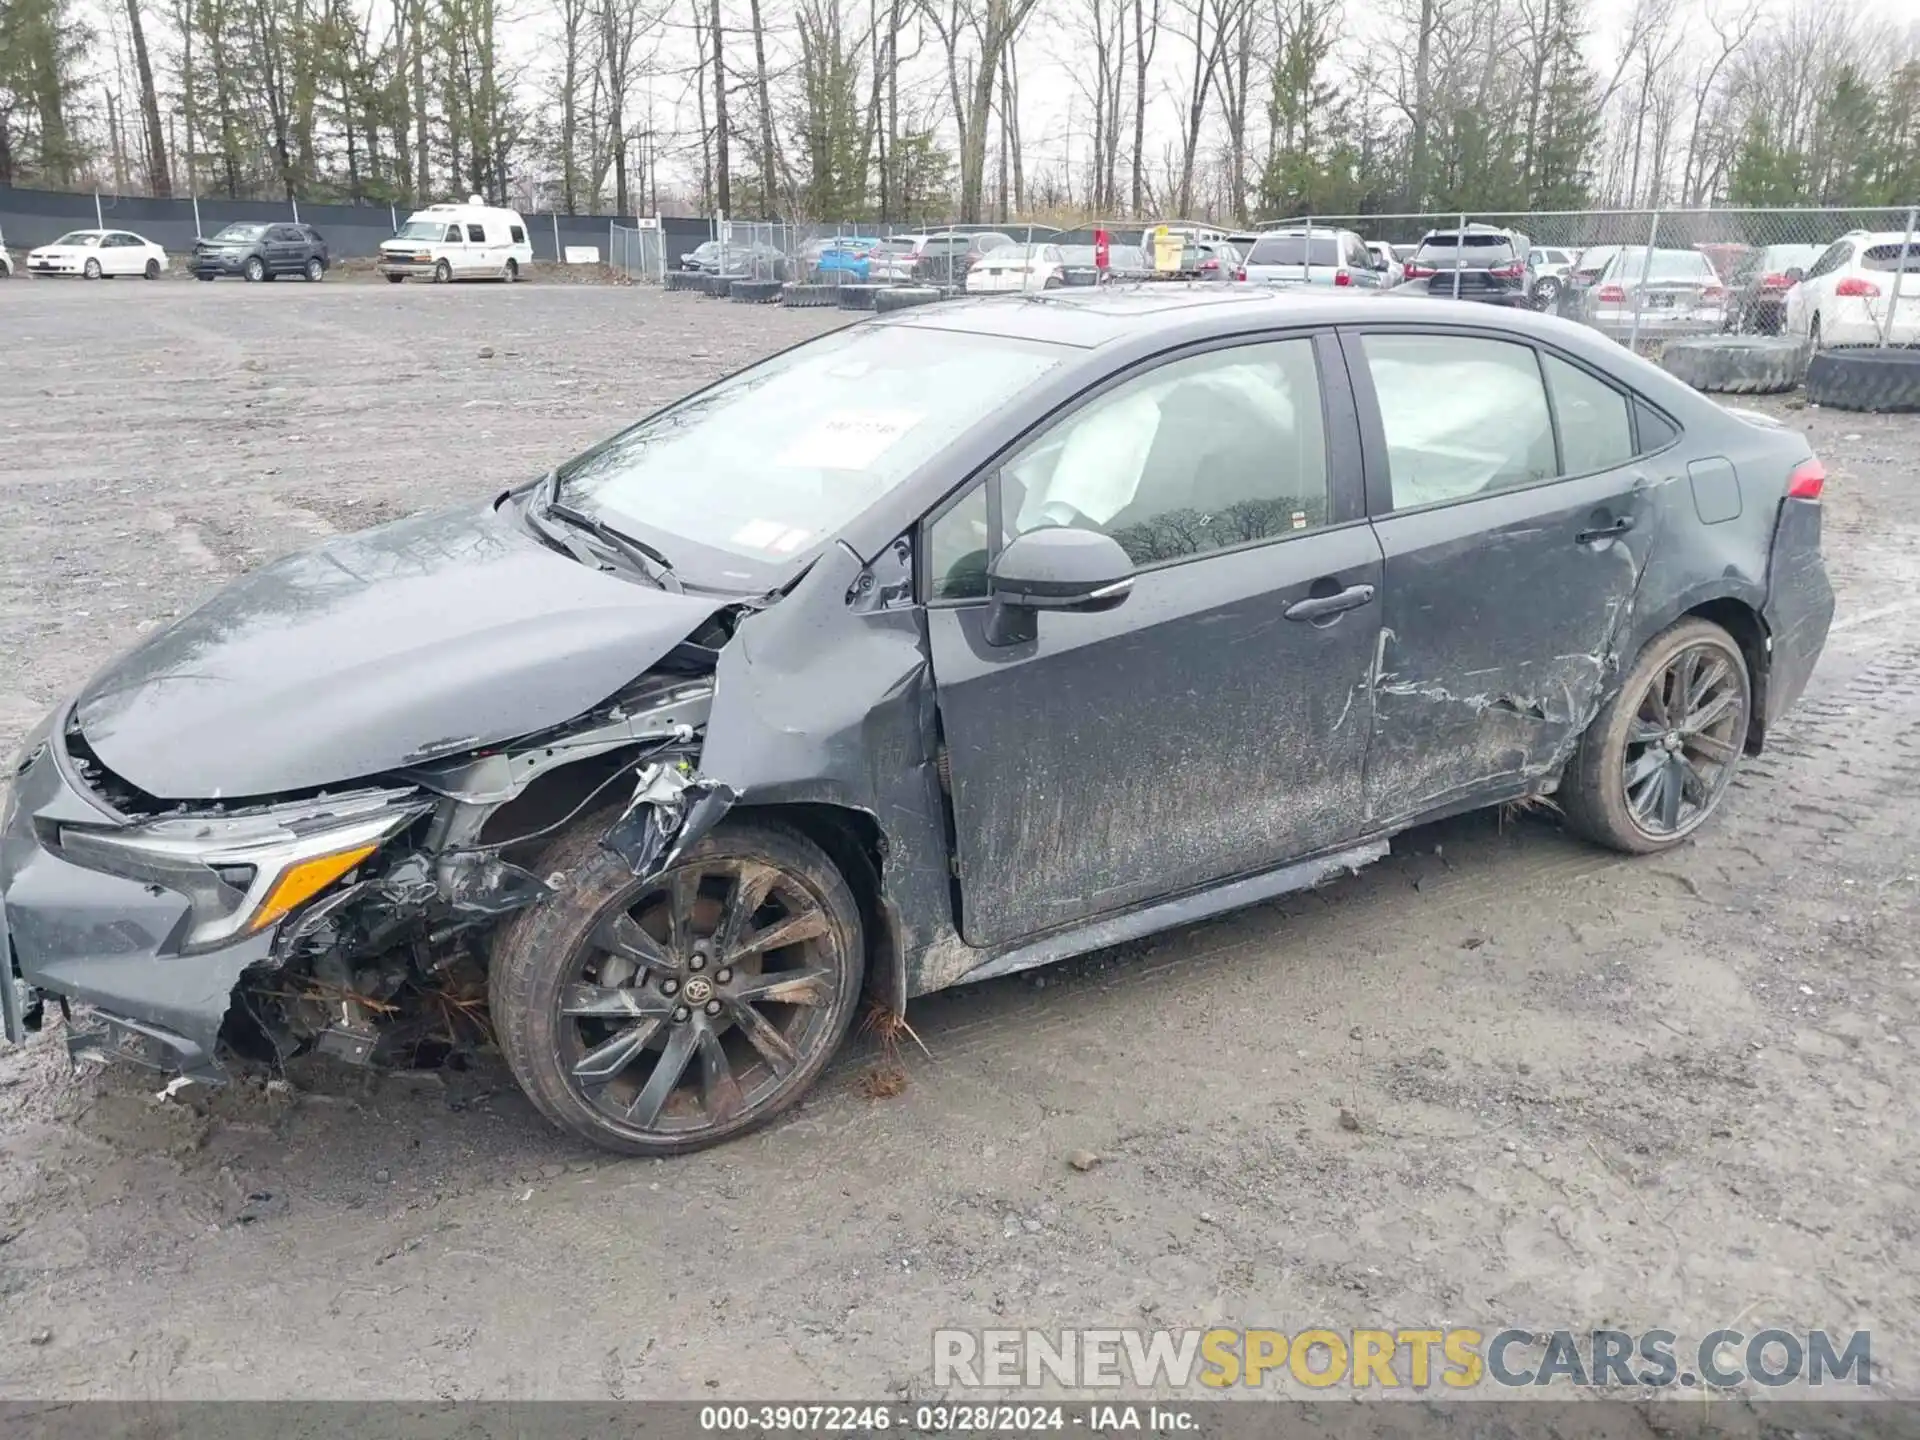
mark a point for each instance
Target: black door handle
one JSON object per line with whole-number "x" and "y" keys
{"x": 1618, "y": 527}
{"x": 1318, "y": 607}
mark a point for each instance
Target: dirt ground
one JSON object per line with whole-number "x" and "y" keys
{"x": 1578, "y": 1089}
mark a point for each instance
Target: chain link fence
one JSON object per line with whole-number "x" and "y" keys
{"x": 1826, "y": 277}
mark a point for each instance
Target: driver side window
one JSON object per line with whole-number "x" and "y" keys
{"x": 1193, "y": 456}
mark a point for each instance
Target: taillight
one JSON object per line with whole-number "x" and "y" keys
{"x": 1210, "y": 265}
{"x": 1612, "y": 295}
{"x": 1341, "y": 277}
{"x": 1240, "y": 275}
{"x": 1854, "y": 286}
{"x": 1809, "y": 478}
{"x": 1419, "y": 272}
{"x": 1713, "y": 292}
{"x": 1508, "y": 272}
{"x": 1775, "y": 282}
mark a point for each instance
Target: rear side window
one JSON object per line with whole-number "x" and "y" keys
{"x": 1596, "y": 428}
{"x": 1293, "y": 250}
{"x": 477, "y": 234}
{"x": 1887, "y": 257}
{"x": 1656, "y": 431}
{"x": 519, "y": 235}
{"x": 1463, "y": 416}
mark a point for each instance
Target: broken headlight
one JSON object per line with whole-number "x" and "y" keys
{"x": 241, "y": 873}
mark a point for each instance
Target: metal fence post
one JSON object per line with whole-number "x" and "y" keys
{"x": 1459, "y": 252}
{"x": 99, "y": 220}
{"x": 1646, "y": 272}
{"x": 296, "y": 208}
{"x": 1306, "y": 263}
{"x": 393, "y": 218}
{"x": 196, "y": 216}
{"x": 1899, "y": 271}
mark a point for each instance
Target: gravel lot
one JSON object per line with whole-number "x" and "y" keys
{"x": 1500, "y": 1078}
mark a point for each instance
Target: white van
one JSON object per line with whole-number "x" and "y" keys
{"x": 474, "y": 241}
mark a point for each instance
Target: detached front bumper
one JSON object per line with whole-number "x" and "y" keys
{"x": 218, "y": 264}
{"x": 418, "y": 267}
{"x": 111, "y": 942}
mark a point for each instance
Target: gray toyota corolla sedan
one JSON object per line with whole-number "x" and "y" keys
{"x": 943, "y": 646}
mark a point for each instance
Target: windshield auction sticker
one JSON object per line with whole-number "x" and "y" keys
{"x": 848, "y": 439}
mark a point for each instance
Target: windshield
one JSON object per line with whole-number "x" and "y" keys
{"x": 771, "y": 462}
{"x": 241, "y": 232}
{"x": 1292, "y": 250}
{"x": 422, "y": 230}
{"x": 79, "y": 237}
{"x": 1666, "y": 265}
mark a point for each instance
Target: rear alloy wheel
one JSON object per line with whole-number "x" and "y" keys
{"x": 316, "y": 270}
{"x": 663, "y": 1015}
{"x": 1658, "y": 758}
{"x": 512, "y": 272}
{"x": 152, "y": 272}
{"x": 92, "y": 270}
{"x": 442, "y": 273}
{"x": 255, "y": 269}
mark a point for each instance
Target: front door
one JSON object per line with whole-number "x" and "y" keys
{"x": 1216, "y": 723}
{"x": 1514, "y": 547}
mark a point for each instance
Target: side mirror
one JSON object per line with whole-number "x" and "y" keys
{"x": 1054, "y": 569}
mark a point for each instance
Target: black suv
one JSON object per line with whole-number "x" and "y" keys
{"x": 255, "y": 250}
{"x": 1482, "y": 262}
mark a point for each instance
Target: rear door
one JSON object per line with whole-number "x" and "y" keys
{"x": 1513, "y": 549}
{"x": 1213, "y": 725}
{"x": 286, "y": 249}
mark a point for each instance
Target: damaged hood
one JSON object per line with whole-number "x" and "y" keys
{"x": 426, "y": 637}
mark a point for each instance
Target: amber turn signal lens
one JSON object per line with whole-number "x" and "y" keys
{"x": 306, "y": 880}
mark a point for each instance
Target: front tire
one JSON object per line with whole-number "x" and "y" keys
{"x": 92, "y": 270}
{"x": 1658, "y": 758}
{"x": 255, "y": 270}
{"x": 663, "y": 1015}
{"x": 396, "y": 279}
{"x": 442, "y": 273}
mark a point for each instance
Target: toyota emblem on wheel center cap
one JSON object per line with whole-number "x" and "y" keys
{"x": 698, "y": 992}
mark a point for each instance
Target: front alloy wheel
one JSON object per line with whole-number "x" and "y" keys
{"x": 255, "y": 269}
{"x": 1658, "y": 758}
{"x": 662, "y": 1015}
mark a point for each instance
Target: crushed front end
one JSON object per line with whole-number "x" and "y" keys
{"x": 351, "y": 920}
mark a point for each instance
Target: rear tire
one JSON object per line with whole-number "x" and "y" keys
{"x": 1656, "y": 761}
{"x": 675, "y": 1039}
{"x": 316, "y": 270}
{"x": 396, "y": 279}
{"x": 512, "y": 272}
{"x": 152, "y": 272}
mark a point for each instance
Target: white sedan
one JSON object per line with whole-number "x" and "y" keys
{"x": 1018, "y": 267}
{"x": 96, "y": 254}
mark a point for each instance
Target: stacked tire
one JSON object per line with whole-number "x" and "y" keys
{"x": 1736, "y": 364}
{"x": 1883, "y": 381}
